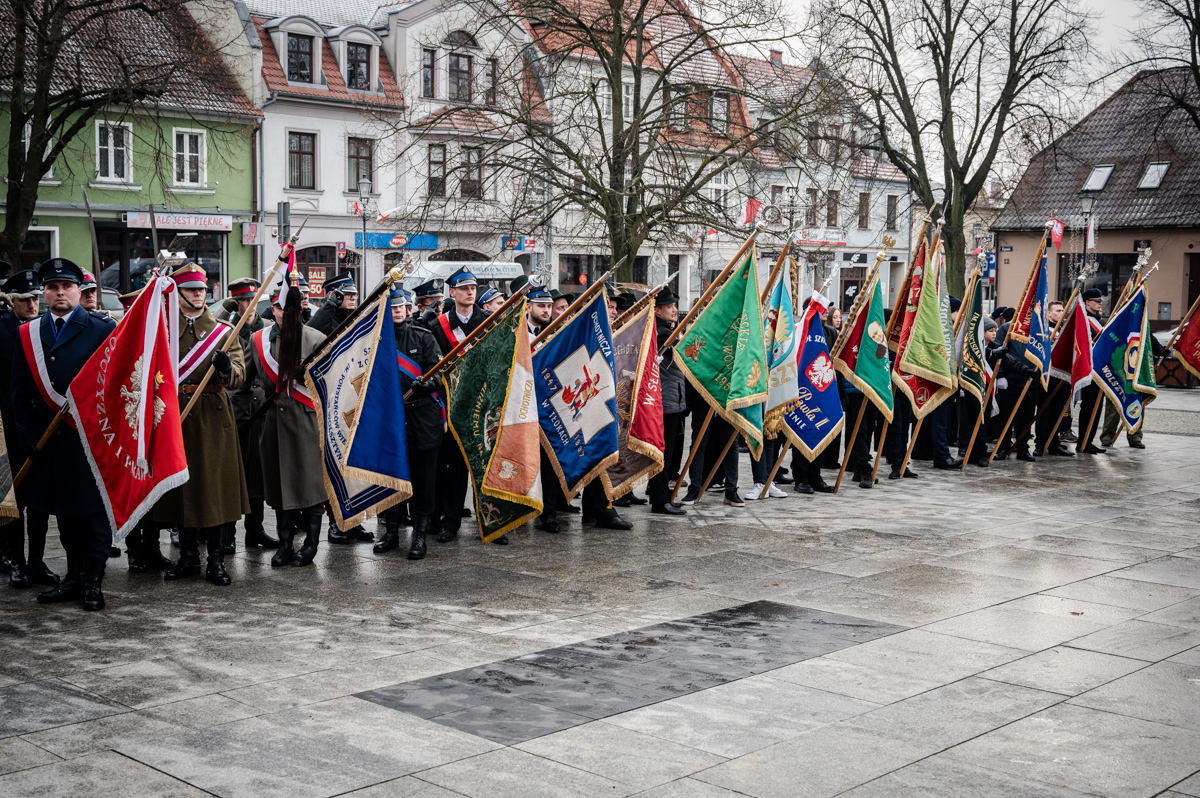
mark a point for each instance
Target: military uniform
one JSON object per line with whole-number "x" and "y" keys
{"x": 1090, "y": 395}
{"x": 417, "y": 352}
{"x": 60, "y": 481}
{"x": 215, "y": 493}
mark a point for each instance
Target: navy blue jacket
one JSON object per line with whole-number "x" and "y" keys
{"x": 61, "y": 481}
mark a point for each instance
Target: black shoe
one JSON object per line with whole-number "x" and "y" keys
{"x": 136, "y": 559}
{"x": 693, "y": 494}
{"x": 637, "y": 501}
{"x": 501, "y": 541}
{"x": 624, "y": 501}
{"x": 952, "y": 464}
{"x": 389, "y": 541}
{"x": 910, "y": 474}
{"x": 420, "y": 527}
{"x": 228, "y": 539}
{"x": 668, "y": 509}
{"x": 895, "y": 473}
{"x": 359, "y": 534}
{"x": 549, "y": 525}
{"x": 1000, "y": 456}
{"x": 823, "y": 487}
{"x": 613, "y": 521}
{"x": 310, "y": 522}
{"x": 734, "y": 500}
{"x": 865, "y": 481}
{"x": 215, "y": 571}
{"x": 1026, "y": 457}
{"x": 1039, "y": 452}
{"x": 1136, "y": 445}
{"x": 70, "y": 588}
{"x": 189, "y": 557}
{"x": 1092, "y": 449}
{"x": 18, "y": 575}
{"x": 805, "y": 488}
{"x": 113, "y": 552}
{"x": 567, "y": 507}
{"x": 1058, "y": 450}
{"x": 982, "y": 462}
{"x": 93, "y": 578}
{"x": 285, "y": 522}
{"x": 1106, "y": 444}
{"x": 151, "y": 553}
{"x": 258, "y": 538}
{"x": 447, "y": 535}
{"x": 783, "y": 479}
{"x": 464, "y": 512}
{"x": 336, "y": 535}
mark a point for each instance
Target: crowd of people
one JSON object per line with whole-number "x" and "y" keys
{"x": 252, "y": 438}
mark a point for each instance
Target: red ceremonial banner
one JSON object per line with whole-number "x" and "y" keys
{"x": 1071, "y": 355}
{"x": 1187, "y": 345}
{"x": 125, "y": 406}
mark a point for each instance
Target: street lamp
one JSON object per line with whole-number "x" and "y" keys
{"x": 791, "y": 173}
{"x": 364, "y": 196}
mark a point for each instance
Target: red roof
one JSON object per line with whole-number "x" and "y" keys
{"x": 458, "y": 120}
{"x": 276, "y": 78}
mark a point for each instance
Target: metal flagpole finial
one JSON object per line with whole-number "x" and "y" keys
{"x": 537, "y": 280}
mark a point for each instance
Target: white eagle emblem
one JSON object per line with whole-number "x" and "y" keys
{"x": 820, "y": 372}
{"x": 133, "y": 394}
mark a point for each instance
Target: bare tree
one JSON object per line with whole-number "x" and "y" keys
{"x": 950, "y": 83}
{"x": 1168, "y": 40}
{"x": 627, "y": 120}
{"x": 62, "y": 62}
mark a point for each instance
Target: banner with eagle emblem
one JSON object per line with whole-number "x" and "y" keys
{"x": 491, "y": 405}
{"x": 818, "y": 416}
{"x": 640, "y": 439}
{"x": 123, "y": 403}
{"x": 577, "y": 397}
{"x": 354, "y": 382}
{"x": 1030, "y": 325}
{"x": 723, "y": 355}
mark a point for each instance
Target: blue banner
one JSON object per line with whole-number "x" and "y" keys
{"x": 1037, "y": 348}
{"x": 355, "y": 384}
{"x": 397, "y": 241}
{"x": 1122, "y": 364}
{"x": 819, "y": 417}
{"x": 577, "y": 397}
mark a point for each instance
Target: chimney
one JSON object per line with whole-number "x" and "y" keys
{"x": 777, "y": 57}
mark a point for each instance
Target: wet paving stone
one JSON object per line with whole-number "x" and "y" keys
{"x": 520, "y": 699}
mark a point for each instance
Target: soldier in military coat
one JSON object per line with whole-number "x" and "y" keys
{"x": 54, "y": 348}
{"x": 215, "y": 493}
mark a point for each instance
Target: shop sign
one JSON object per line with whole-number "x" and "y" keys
{"x": 520, "y": 244}
{"x": 316, "y": 282}
{"x": 196, "y": 222}
{"x": 397, "y": 241}
{"x": 821, "y": 237}
{"x": 253, "y": 234}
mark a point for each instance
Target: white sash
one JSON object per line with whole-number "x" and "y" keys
{"x": 32, "y": 333}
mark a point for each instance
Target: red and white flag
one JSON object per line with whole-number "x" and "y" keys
{"x": 1056, "y": 232}
{"x": 125, "y": 405}
{"x": 710, "y": 233}
{"x": 1071, "y": 355}
{"x": 752, "y": 206}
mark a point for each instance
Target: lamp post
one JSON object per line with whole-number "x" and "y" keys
{"x": 791, "y": 173}
{"x": 364, "y": 196}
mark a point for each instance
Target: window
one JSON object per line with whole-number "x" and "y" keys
{"x": 1098, "y": 178}
{"x": 814, "y": 141}
{"x": 720, "y": 191}
{"x": 1154, "y": 175}
{"x": 358, "y": 66}
{"x": 302, "y": 156}
{"x": 300, "y": 51}
{"x": 112, "y": 152}
{"x": 460, "y": 78}
{"x": 189, "y": 158}
{"x": 427, "y": 84}
{"x": 864, "y": 210}
{"x": 677, "y": 101}
{"x": 810, "y": 210}
{"x": 471, "y": 184}
{"x": 489, "y": 82}
{"x": 777, "y": 196}
{"x": 437, "y": 170}
{"x": 832, "y": 199}
{"x": 26, "y": 135}
{"x": 893, "y": 203}
{"x": 360, "y": 162}
{"x": 627, "y": 101}
{"x": 604, "y": 99}
{"x": 719, "y": 114}
{"x": 835, "y": 143}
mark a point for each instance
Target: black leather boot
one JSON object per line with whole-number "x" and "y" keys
{"x": 93, "y": 577}
{"x": 256, "y": 535}
{"x": 215, "y": 572}
{"x": 229, "y": 538}
{"x": 359, "y": 534}
{"x": 310, "y": 522}
{"x": 421, "y": 526}
{"x": 391, "y": 533}
{"x": 335, "y": 535}
{"x": 137, "y": 556}
{"x": 285, "y": 522}
{"x": 69, "y": 589}
{"x": 189, "y": 556}
{"x": 152, "y": 554}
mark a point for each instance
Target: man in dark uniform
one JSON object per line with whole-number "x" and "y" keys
{"x": 539, "y": 306}
{"x": 417, "y": 352}
{"x": 429, "y": 304}
{"x": 491, "y": 300}
{"x": 450, "y": 328}
{"x": 341, "y": 297}
{"x": 674, "y": 397}
{"x": 595, "y": 504}
{"x": 1093, "y": 305}
{"x": 247, "y": 401}
{"x": 61, "y": 482}
{"x": 215, "y": 493}
{"x": 23, "y": 292}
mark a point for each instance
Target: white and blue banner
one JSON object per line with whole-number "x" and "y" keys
{"x": 577, "y": 397}
{"x": 355, "y": 382}
{"x": 1037, "y": 348}
{"x": 818, "y": 417}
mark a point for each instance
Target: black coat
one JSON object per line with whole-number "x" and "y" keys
{"x": 327, "y": 318}
{"x": 422, "y": 413}
{"x": 61, "y": 481}
{"x": 674, "y": 384}
{"x": 1015, "y": 366}
{"x": 445, "y": 343}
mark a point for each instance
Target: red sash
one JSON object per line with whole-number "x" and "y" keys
{"x": 200, "y": 351}
{"x": 31, "y": 342}
{"x": 271, "y": 368}
{"x": 455, "y": 335}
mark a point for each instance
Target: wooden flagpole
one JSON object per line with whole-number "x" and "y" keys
{"x": 787, "y": 444}
{"x": 850, "y": 442}
{"x": 879, "y": 452}
{"x": 476, "y": 333}
{"x": 1007, "y": 424}
{"x": 1187, "y": 318}
{"x": 733, "y": 435}
{"x": 573, "y": 309}
{"x": 696, "y": 438}
{"x": 621, "y": 320}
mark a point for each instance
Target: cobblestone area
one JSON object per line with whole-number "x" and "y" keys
{"x": 1025, "y": 630}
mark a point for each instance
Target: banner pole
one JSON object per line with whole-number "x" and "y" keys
{"x": 733, "y": 435}
{"x": 1000, "y": 440}
{"x": 883, "y": 430}
{"x": 850, "y": 442}
{"x": 912, "y": 443}
{"x": 696, "y": 439}
{"x": 787, "y": 444}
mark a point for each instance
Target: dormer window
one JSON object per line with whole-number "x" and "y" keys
{"x": 358, "y": 66}
{"x": 1098, "y": 178}
{"x": 1154, "y": 175}
{"x": 299, "y": 58}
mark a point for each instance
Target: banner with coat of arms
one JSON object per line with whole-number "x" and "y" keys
{"x": 1122, "y": 363}
{"x": 640, "y": 439}
{"x": 813, "y": 423}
